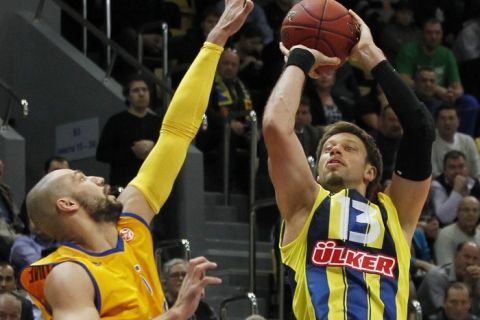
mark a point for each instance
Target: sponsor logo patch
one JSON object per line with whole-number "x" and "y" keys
{"x": 329, "y": 253}
{"x": 127, "y": 234}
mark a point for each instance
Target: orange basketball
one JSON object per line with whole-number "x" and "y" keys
{"x": 324, "y": 25}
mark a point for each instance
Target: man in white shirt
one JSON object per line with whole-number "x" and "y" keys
{"x": 463, "y": 230}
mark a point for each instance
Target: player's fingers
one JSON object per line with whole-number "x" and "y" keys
{"x": 209, "y": 280}
{"x": 356, "y": 17}
{"x": 330, "y": 61}
{"x": 199, "y": 269}
{"x": 284, "y": 50}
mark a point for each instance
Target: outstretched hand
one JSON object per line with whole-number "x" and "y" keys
{"x": 231, "y": 20}
{"x": 320, "y": 59}
{"x": 193, "y": 286}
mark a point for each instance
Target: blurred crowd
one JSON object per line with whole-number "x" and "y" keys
{"x": 434, "y": 45}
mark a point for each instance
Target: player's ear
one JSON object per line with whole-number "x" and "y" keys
{"x": 67, "y": 205}
{"x": 370, "y": 172}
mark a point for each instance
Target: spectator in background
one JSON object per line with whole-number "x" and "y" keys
{"x": 8, "y": 284}
{"x": 308, "y": 135}
{"x": 327, "y": 107}
{"x": 369, "y": 107}
{"x": 425, "y": 84}
{"x": 399, "y": 30}
{"x": 55, "y": 163}
{"x": 174, "y": 271}
{"x": 128, "y": 136}
{"x": 10, "y": 222}
{"x": 448, "y": 138}
{"x": 467, "y": 50}
{"x": 456, "y": 305}
{"x": 229, "y": 100}
{"x": 465, "y": 229}
{"x": 257, "y": 16}
{"x": 249, "y": 46}
{"x": 431, "y": 228}
{"x": 10, "y": 306}
{"x": 421, "y": 261}
{"x": 448, "y": 189}
{"x": 129, "y": 17}
{"x": 388, "y": 137}
{"x": 465, "y": 268}
{"x": 183, "y": 49}
{"x": 27, "y": 249}
{"x": 449, "y": 88}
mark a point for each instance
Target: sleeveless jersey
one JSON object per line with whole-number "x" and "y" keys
{"x": 350, "y": 260}
{"x": 125, "y": 278}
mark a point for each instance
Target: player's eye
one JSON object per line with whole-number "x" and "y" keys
{"x": 327, "y": 149}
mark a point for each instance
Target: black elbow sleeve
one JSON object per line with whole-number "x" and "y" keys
{"x": 415, "y": 152}
{"x": 414, "y": 155}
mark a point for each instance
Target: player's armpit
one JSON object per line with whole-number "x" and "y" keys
{"x": 70, "y": 293}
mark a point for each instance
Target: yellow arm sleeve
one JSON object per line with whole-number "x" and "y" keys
{"x": 183, "y": 118}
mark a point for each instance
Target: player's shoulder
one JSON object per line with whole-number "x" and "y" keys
{"x": 69, "y": 276}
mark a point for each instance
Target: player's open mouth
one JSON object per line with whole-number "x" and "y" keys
{"x": 334, "y": 162}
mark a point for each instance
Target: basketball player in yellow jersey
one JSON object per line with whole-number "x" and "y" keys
{"x": 105, "y": 268}
{"x": 347, "y": 258}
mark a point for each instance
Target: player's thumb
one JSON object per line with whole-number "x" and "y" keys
{"x": 330, "y": 61}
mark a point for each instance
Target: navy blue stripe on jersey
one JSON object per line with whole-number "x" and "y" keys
{"x": 317, "y": 277}
{"x": 357, "y": 298}
{"x": 319, "y": 290}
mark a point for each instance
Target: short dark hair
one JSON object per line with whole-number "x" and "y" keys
{"x": 459, "y": 286}
{"x": 133, "y": 78}
{"x": 453, "y": 154}
{"x": 424, "y": 68}
{"x": 445, "y": 106}
{"x": 374, "y": 156}
{"x": 47, "y": 163}
{"x": 431, "y": 21}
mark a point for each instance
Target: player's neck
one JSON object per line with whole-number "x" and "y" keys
{"x": 99, "y": 237}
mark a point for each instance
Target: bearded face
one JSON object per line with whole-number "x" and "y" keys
{"x": 102, "y": 209}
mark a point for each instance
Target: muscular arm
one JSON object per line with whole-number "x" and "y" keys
{"x": 70, "y": 294}
{"x": 412, "y": 175}
{"x": 295, "y": 187}
{"x": 411, "y": 179}
{"x": 149, "y": 190}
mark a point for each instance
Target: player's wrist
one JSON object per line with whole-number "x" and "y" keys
{"x": 301, "y": 58}
{"x": 371, "y": 56}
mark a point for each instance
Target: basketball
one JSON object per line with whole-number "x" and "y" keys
{"x": 324, "y": 25}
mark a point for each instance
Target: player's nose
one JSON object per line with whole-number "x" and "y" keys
{"x": 99, "y": 181}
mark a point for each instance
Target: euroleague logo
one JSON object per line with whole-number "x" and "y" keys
{"x": 127, "y": 234}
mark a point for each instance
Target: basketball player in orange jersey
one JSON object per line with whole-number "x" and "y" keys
{"x": 347, "y": 258}
{"x": 105, "y": 268}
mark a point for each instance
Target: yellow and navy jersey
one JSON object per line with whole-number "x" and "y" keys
{"x": 350, "y": 260}
{"x": 125, "y": 278}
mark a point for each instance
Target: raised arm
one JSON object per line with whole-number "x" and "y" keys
{"x": 295, "y": 187}
{"x": 412, "y": 175}
{"x": 148, "y": 191}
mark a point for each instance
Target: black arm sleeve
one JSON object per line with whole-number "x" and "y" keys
{"x": 415, "y": 151}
